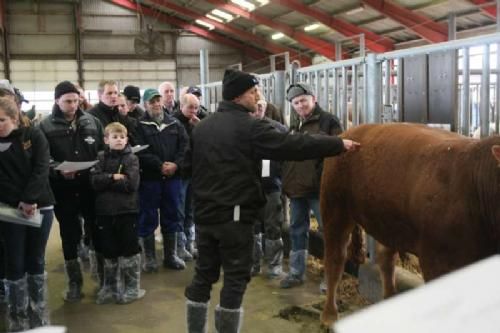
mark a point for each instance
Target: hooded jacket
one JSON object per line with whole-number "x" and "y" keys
{"x": 116, "y": 197}
{"x": 24, "y": 168}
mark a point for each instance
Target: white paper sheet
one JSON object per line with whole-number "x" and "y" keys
{"x": 136, "y": 149}
{"x": 75, "y": 166}
{"x": 14, "y": 215}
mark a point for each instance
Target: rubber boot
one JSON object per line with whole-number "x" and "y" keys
{"x": 16, "y": 293}
{"x": 228, "y": 320}
{"x": 191, "y": 247}
{"x": 74, "y": 280}
{"x": 297, "y": 272}
{"x": 196, "y": 317}
{"x": 130, "y": 271}
{"x": 37, "y": 307}
{"x": 149, "y": 264}
{"x": 257, "y": 254}
{"x": 109, "y": 290}
{"x": 170, "y": 258}
{"x": 273, "y": 255}
{"x": 181, "y": 247}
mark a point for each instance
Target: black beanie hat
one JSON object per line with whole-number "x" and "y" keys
{"x": 65, "y": 87}
{"x": 132, "y": 93}
{"x": 235, "y": 83}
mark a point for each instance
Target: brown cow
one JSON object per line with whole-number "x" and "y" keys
{"x": 415, "y": 189}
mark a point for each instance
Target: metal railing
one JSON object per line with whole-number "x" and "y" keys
{"x": 368, "y": 89}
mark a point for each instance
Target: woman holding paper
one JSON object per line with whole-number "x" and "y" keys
{"x": 24, "y": 169}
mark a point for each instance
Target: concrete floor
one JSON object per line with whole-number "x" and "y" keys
{"x": 163, "y": 307}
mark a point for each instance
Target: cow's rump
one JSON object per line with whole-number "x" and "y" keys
{"x": 414, "y": 189}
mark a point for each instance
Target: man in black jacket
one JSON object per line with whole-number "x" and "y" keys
{"x": 225, "y": 161}
{"x": 107, "y": 111}
{"x": 73, "y": 135}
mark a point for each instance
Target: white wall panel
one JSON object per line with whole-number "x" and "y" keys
{"x": 117, "y": 23}
{"x": 100, "y": 7}
{"x": 48, "y": 44}
{"x": 137, "y": 72}
{"x": 41, "y": 75}
{"x": 43, "y": 24}
{"x": 192, "y": 44}
{"x": 108, "y": 44}
{"x": 215, "y": 60}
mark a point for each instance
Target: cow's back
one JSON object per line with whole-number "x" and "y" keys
{"x": 402, "y": 180}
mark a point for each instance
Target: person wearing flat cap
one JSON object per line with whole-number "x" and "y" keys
{"x": 77, "y": 136}
{"x": 224, "y": 161}
{"x": 301, "y": 179}
{"x": 161, "y": 184}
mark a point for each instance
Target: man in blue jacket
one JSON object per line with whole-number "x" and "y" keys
{"x": 160, "y": 187}
{"x": 224, "y": 159}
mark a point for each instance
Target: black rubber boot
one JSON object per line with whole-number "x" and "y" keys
{"x": 149, "y": 264}
{"x": 74, "y": 281}
{"x": 170, "y": 258}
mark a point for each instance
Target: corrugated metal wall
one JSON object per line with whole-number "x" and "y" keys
{"x": 42, "y": 38}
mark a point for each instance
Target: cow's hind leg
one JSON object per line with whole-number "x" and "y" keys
{"x": 386, "y": 259}
{"x": 337, "y": 229}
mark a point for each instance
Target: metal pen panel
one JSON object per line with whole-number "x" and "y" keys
{"x": 343, "y": 114}
{"x": 465, "y": 100}
{"x": 497, "y": 89}
{"x": 354, "y": 97}
{"x": 484, "y": 104}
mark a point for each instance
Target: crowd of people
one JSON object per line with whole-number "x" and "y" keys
{"x": 213, "y": 183}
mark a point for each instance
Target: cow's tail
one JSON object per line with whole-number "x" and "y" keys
{"x": 356, "y": 248}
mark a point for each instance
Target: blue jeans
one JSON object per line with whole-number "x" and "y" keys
{"x": 299, "y": 220}
{"x": 163, "y": 195}
{"x": 186, "y": 209}
{"x": 25, "y": 247}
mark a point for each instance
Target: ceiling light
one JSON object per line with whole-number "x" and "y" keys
{"x": 263, "y": 2}
{"x": 245, "y": 4}
{"x": 214, "y": 18}
{"x": 277, "y": 36}
{"x": 311, "y": 27}
{"x": 205, "y": 24}
{"x": 224, "y": 15}
{"x": 355, "y": 10}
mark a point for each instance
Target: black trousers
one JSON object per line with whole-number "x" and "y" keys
{"x": 228, "y": 246}
{"x": 117, "y": 235}
{"x": 71, "y": 205}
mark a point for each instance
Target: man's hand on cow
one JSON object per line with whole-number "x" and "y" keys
{"x": 350, "y": 145}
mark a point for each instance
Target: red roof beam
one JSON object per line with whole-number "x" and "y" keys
{"x": 420, "y": 24}
{"x": 252, "y": 52}
{"x": 241, "y": 34}
{"x": 490, "y": 10}
{"x": 373, "y": 41}
{"x": 318, "y": 45}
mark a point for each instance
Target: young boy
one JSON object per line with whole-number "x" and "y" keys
{"x": 116, "y": 181}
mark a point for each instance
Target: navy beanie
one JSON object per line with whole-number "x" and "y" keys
{"x": 235, "y": 83}
{"x": 65, "y": 87}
